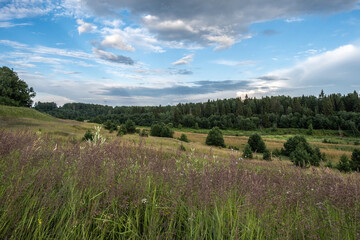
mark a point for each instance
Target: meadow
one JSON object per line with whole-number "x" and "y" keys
{"x": 55, "y": 186}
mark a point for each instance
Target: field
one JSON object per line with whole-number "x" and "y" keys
{"x": 54, "y": 186}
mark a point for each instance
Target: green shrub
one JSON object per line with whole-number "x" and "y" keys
{"x": 293, "y": 143}
{"x": 215, "y": 138}
{"x": 300, "y": 157}
{"x": 267, "y": 155}
{"x": 122, "y": 130}
{"x": 111, "y": 126}
{"x": 355, "y": 160}
{"x": 130, "y": 126}
{"x": 182, "y": 148}
{"x": 256, "y": 143}
{"x": 88, "y": 136}
{"x": 161, "y": 130}
{"x": 144, "y": 133}
{"x": 247, "y": 152}
{"x": 183, "y": 138}
{"x": 310, "y": 130}
{"x": 344, "y": 164}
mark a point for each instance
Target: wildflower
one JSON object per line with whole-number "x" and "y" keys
{"x": 144, "y": 200}
{"x": 39, "y": 221}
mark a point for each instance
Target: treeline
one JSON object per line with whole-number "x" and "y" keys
{"x": 334, "y": 111}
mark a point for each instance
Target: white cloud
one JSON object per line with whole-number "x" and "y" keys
{"x": 85, "y": 27}
{"x": 219, "y": 23}
{"x": 115, "y": 41}
{"x": 11, "y": 24}
{"x": 234, "y": 63}
{"x": 185, "y": 60}
{"x": 334, "y": 71}
{"x": 25, "y": 9}
{"x": 294, "y": 19}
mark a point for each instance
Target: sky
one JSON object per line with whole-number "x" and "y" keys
{"x": 152, "y": 52}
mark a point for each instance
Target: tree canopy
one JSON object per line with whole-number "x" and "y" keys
{"x": 13, "y": 90}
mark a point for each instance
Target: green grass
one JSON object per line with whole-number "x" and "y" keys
{"x": 22, "y": 112}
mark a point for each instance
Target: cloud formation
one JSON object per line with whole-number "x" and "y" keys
{"x": 85, "y": 27}
{"x": 198, "y": 87}
{"x": 115, "y": 41}
{"x": 108, "y": 56}
{"x": 185, "y": 60}
{"x": 219, "y": 23}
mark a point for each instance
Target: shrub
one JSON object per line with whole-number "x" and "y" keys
{"x": 247, "y": 152}
{"x": 122, "y": 130}
{"x": 182, "y": 148}
{"x": 111, "y": 126}
{"x": 344, "y": 164}
{"x": 310, "y": 130}
{"x": 183, "y": 138}
{"x": 256, "y": 143}
{"x": 215, "y": 138}
{"x": 130, "y": 126}
{"x": 161, "y": 130}
{"x": 300, "y": 157}
{"x": 267, "y": 155}
{"x": 355, "y": 160}
{"x": 293, "y": 143}
{"x": 88, "y": 136}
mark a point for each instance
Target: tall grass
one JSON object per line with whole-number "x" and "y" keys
{"x": 123, "y": 190}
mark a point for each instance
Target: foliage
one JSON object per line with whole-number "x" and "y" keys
{"x": 98, "y": 139}
{"x": 256, "y": 143}
{"x": 344, "y": 164}
{"x": 161, "y": 130}
{"x": 355, "y": 159}
{"x": 267, "y": 155}
{"x": 247, "y": 152}
{"x": 184, "y": 138}
{"x": 215, "y": 138}
{"x": 292, "y": 143}
{"x": 130, "y": 126}
{"x": 88, "y": 136}
{"x": 122, "y": 130}
{"x": 300, "y": 157}
{"x": 13, "y": 90}
{"x": 110, "y": 125}
{"x": 310, "y": 130}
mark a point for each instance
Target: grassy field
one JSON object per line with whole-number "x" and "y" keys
{"x": 54, "y": 186}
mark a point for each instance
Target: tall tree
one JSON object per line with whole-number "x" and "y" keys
{"x": 13, "y": 90}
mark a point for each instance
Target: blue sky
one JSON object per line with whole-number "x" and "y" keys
{"x": 151, "y": 52}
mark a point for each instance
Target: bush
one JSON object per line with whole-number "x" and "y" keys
{"x": 247, "y": 152}
{"x": 130, "y": 126}
{"x": 215, "y": 138}
{"x": 88, "y": 136}
{"x": 355, "y": 160}
{"x": 111, "y": 126}
{"x": 122, "y": 130}
{"x": 183, "y": 138}
{"x": 344, "y": 164}
{"x": 161, "y": 130}
{"x": 267, "y": 155}
{"x": 293, "y": 143}
{"x": 182, "y": 148}
{"x": 300, "y": 157}
{"x": 256, "y": 143}
{"x": 310, "y": 130}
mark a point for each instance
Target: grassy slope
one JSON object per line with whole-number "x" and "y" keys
{"x": 14, "y": 118}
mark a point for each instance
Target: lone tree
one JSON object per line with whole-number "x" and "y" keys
{"x": 13, "y": 90}
{"x": 215, "y": 138}
{"x": 256, "y": 143}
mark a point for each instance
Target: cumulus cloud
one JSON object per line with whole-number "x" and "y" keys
{"x": 85, "y": 27}
{"x": 185, "y": 60}
{"x": 108, "y": 56}
{"x": 115, "y": 41}
{"x": 219, "y": 23}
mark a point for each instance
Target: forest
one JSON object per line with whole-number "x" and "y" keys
{"x": 334, "y": 111}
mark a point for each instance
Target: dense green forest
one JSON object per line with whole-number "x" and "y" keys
{"x": 334, "y": 111}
